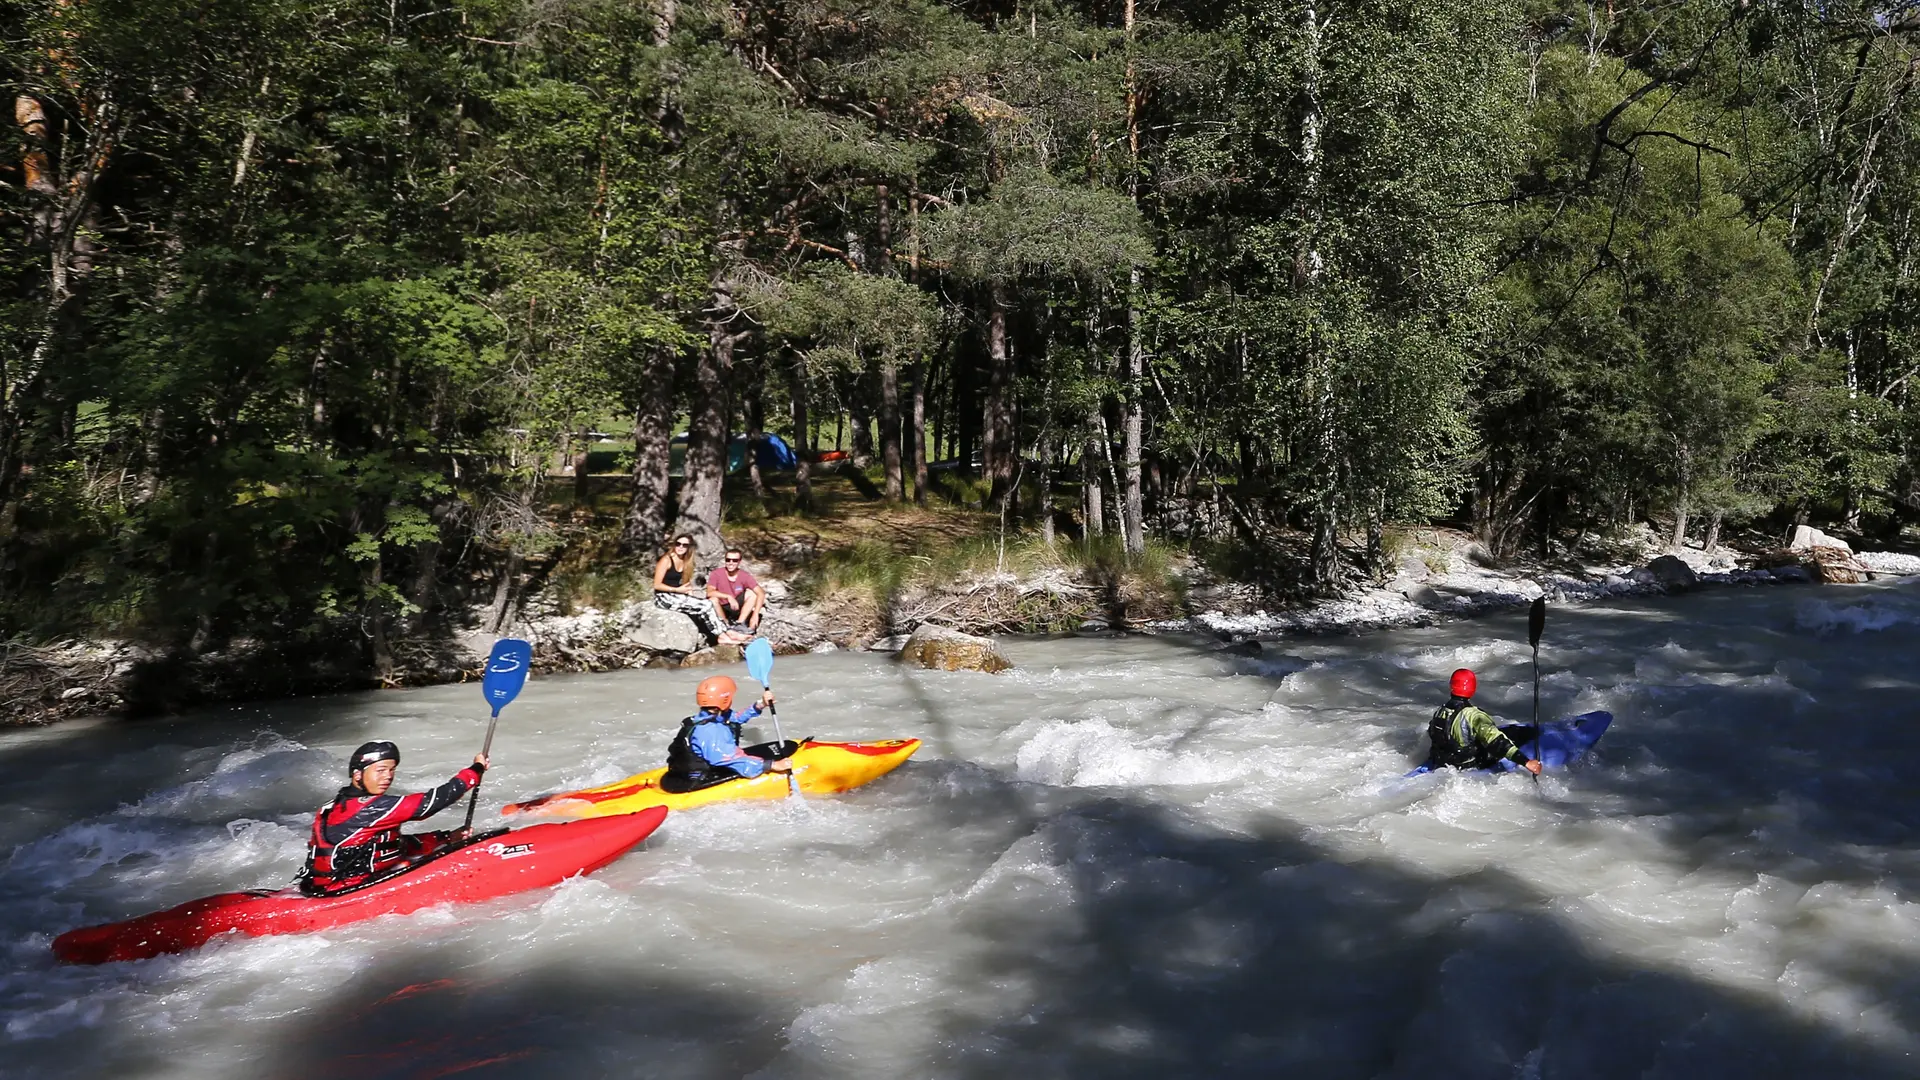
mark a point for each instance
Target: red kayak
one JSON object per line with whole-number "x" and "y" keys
{"x": 511, "y": 862}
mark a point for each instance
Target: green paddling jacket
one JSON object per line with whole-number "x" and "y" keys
{"x": 1466, "y": 737}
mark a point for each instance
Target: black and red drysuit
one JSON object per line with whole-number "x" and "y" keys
{"x": 357, "y": 837}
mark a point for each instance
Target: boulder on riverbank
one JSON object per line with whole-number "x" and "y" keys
{"x": 1671, "y": 572}
{"x": 937, "y": 647}
{"x": 1808, "y": 538}
{"x": 660, "y": 630}
{"x": 722, "y": 653}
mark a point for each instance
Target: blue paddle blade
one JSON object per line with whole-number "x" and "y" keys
{"x": 760, "y": 661}
{"x": 506, "y": 672}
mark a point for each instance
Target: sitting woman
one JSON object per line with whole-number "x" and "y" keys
{"x": 675, "y": 590}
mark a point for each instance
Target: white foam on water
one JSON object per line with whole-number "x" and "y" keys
{"x": 1868, "y": 615}
{"x": 1094, "y": 753}
{"x": 1125, "y": 856}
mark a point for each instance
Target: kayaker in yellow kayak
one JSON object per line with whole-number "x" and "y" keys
{"x": 707, "y": 750}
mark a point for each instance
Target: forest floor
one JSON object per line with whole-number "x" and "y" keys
{"x": 856, "y": 572}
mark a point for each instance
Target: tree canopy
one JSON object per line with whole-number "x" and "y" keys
{"x": 306, "y": 301}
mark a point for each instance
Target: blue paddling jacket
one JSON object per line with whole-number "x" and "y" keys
{"x": 709, "y": 742}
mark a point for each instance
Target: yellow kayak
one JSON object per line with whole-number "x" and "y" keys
{"x": 819, "y": 768}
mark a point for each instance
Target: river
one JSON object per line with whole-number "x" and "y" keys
{"x": 1132, "y": 857}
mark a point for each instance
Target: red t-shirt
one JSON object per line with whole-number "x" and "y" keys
{"x": 742, "y": 583}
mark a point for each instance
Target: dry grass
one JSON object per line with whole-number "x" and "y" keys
{"x": 869, "y": 568}
{"x": 985, "y": 586}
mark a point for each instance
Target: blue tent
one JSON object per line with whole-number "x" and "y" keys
{"x": 774, "y": 453}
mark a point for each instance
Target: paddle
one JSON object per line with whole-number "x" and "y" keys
{"x": 506, "y": 673}
{"x": 760, "y": 666}
{"x": 1536, "y": 622}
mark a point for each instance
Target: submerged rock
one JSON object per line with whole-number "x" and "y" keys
{"x": 933, "y": 646}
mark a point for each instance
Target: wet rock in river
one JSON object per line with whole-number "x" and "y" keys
{"x": 937, "y": 647}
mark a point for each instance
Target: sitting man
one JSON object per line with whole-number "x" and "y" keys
{"x": 356, "y": 838}
{"x": 738, "y": 598}
{"x": 1465, "y": 737}
{"x": 707, "y": 750}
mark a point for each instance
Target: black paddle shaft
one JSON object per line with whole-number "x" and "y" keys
{"x": 1536, "y": 622}
{"x": 485, "y": 749}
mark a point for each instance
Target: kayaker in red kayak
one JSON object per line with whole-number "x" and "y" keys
{"x": 357, "y": 836}
{"x": 707, "y": 750}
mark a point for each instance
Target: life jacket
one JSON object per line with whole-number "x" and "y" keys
{"x": 1452, "y": 738}
{"x": 343, "y": 852}
{"x": 688, "y": 767}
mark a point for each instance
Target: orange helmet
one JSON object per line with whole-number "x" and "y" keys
{"x": 714, "y": 693}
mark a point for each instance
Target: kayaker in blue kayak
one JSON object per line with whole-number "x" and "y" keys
{"x": 1466, "y": 737}
{"x": 707, "y": 750}
{"x": 357, "y": 837}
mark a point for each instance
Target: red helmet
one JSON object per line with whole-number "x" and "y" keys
{"x": 714, "y": 693}
{"x": 1463, "y": 684}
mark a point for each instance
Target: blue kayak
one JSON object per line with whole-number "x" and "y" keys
{"x": 1558, "y": 743}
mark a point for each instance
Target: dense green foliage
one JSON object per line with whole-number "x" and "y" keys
{"x": 306, "y": 303}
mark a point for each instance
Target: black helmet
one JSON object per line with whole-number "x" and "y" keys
{"x": 370, "y": 753}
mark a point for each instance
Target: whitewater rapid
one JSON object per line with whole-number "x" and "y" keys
{"x": 1126, "y": 857}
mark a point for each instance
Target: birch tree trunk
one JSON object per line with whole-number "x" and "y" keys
{"x": 917, "y": 432}
{"x": 803, "y": 435}
{"x": 1044, "y": 500}
{"x": 1131, "y": 431}
{"x": 1092, "y": 476}
{"x": 997, "y": 449}
{"x": 1136, "y": 537}
{"x": 890, "y": 431}
{"x": 1325, "y": 556}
